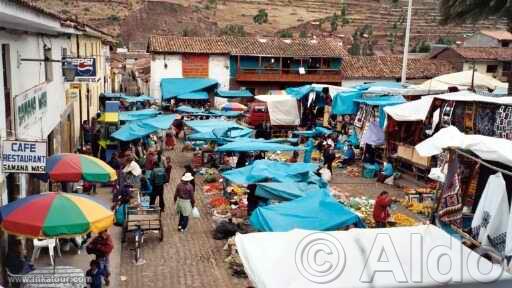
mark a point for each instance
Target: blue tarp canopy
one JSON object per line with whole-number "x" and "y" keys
{"x": 113, "y": 95}
{"x": 138, "y": 98}
{"x": 299, "y": 92}
{"x": 244, "y": 146}
{"x": 221, "y": 135}
{"x": 209, "y": 125}
{"x": 185, "y": 109}
{"x": 234, "y": 93}
{"x": 137, "y": 115}
{"x": 140, "y": 128}
{"x": 316, "y": 211}
{"x": 343, "y": 102}
{"x": 284, "y": 191}
{"x": 272, "y": 171}
{"x": 199, "y": 95}
{"x": 318, "y": 131}
{"x": 174, "y": 87}
{"x": 382, "y": 101}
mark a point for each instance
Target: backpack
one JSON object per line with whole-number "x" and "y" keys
{"x": 158, "y": 176}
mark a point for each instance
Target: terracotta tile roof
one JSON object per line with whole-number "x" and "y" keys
{"x": 195, "y": 45}
{"x": 498, "y": 34}
{"x": 484, "y": 53}
{"x": 390, "y": 67}
{"x": 247, "y": 46}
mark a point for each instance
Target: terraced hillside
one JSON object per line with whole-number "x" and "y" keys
{"x": 306, "y": 17}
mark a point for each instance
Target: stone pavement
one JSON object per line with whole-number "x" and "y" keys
{"x": 190, "y": 259}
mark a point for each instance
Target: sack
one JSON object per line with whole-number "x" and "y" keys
{"x": 325, "y": 174}
{"x": 120, "y": 215}
{"x": 195, "y": 213}
{"x": 159, "y": 177}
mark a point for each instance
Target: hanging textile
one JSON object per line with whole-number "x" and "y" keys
{"x": 485, "y": 120}
{"x": 491, "y": 218}
{"x": 361, "y": 115}
{"x": 503, "y": 125}
{"x": 508, "y": 246}
{"x": 458, "y": 116}
{"x": 469, "y": 195}
{"x": 450, "y": 206}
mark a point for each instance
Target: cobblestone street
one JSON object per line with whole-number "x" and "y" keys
{"x": 192, "y": 259}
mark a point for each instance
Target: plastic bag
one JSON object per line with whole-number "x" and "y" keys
{"x": 195, "y": 213}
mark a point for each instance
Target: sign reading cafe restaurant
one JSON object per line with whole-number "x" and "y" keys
{"x": 24, "y": 157}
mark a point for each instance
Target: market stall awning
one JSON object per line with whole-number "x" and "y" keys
{"x": 468, "y": 96}
{"x": 356, "y": 258}
{"x": 317, "y": 211}
{"x": 138, "y": 98}
{"x": 199, "y": 95}
{"x": 137, "y": 114}
{"x": 173, "y": 87}
{"x": 343, "y": 102}
{"x": 140, "y": 128}
{"x": 488, "y": 148}
{"x": 282, "y": 109}
{"x": 462, "y": 80}
{"x": 381, "y": 100}
{"x": 211, "y": 124}
{"x": 244, "y": 146}
{"x": 266, "y": 170}
{"x": 73, "y": 167}
{"x": 234, "y": 93}
{"x": 221, "y": 135}
{"x": 284, "y": 191}
{"x": 416, "y": 110}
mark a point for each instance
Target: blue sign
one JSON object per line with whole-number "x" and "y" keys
{"x": 84, "y": 67}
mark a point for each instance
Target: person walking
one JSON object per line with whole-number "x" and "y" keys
{"x": 101, "y": 246}
{"x": 184, "y": 199}
{"x": 159, "y": 178}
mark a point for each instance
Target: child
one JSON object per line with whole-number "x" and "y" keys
{"x": 95, "y": 275}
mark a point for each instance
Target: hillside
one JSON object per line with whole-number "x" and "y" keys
{"x": 134, "y": 20}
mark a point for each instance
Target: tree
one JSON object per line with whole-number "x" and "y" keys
{"x": 285, "y": 34}
{"x": 261, "y": 17}
{"x": 334, "y": 22}
{"x": 303, "y": 34}
{"x": 233, "y": 30}
{"x": 462, "y": 11}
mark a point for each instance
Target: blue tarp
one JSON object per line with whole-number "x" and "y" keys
{"x": 299, "y": 92}
{"x": 137, "y": 115}
{"x": 209, "y": 125}
{"x": 173, "y": 87}
{"x": 316, "y": 211}
{"x": 234, "y": 93}
{"x": 221, "y": 135}
{"x": 199, "y": 95}
{"x": 343, "y": 102}
{"x": 185, "y": 109}
{"x": 140, "y": 128}
{"x": 244, "y": 146}
{"x": 138, "y": 98}
{"x": 284, "y": 191}
{"x": 272, "y": 171}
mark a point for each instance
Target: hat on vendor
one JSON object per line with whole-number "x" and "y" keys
{"x": 187, "y": 177}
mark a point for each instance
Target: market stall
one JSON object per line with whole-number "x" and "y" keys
{"x": 140, "y": 128}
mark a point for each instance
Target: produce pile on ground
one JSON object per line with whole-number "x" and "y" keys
{"x": 363, "y": 206}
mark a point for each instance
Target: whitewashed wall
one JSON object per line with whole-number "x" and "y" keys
{"x": 158, "y": 71}
{"x": 218, "y": 69}
{"x": 26, "y": 75}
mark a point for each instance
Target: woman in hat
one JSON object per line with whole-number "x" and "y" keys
{"x": 184, "y": 199}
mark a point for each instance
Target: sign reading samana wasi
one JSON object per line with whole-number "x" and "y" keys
{"x": 24, "y": 157}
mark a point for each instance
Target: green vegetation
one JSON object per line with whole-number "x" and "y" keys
{"x": 114, "y": 18}
{"x": 261, "y": 17}
{"x": 235, "y": 30}
{"x": 303, "y": 34}
{"x": 363, "y": 42}
{"x": 445, "y": 41}
{"x": 285, "y": 34}
{"x": 421, "y": 47}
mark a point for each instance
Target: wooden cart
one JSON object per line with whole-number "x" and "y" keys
{"x": 149, "y": 219}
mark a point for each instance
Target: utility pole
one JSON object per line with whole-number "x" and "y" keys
{"x": 406, "y": 44}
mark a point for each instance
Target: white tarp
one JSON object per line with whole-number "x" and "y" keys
{"x": 283, "y": 109}
{"x": 420, "y": 256}
{"x": 488, "y": 148}
{"x": 463, "y": 81}
{"x": 416, "y": 110}
{"x": 469, "y": 96}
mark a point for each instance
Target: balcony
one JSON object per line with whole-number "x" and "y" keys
{"x": 288, "y": 75}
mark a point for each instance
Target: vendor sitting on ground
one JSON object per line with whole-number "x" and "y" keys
{"x": 348, "y": 155}
{"x": 387, "y": 171}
